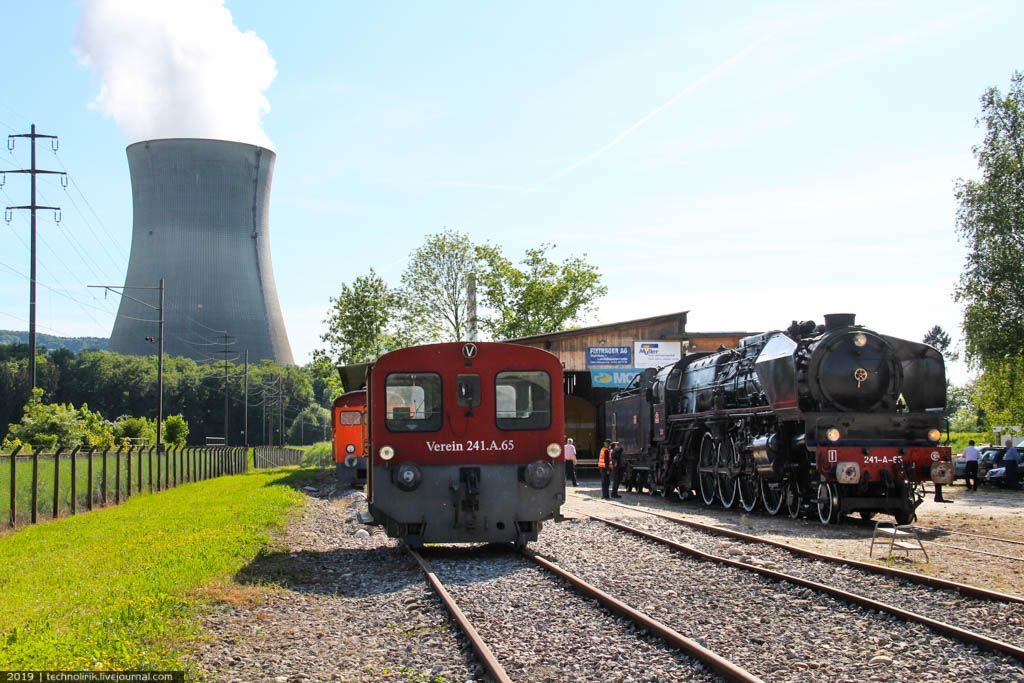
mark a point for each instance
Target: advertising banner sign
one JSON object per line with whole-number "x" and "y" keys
{"x": 613, "y": 378}
{"x": 609, "y": 355}
{"x": 654, "y": 354}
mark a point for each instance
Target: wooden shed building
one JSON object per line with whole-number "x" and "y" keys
{"x": 603, "y": 359}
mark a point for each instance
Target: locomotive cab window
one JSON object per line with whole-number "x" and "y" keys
{"x": 413, "y": 402}
{"x": 522, "y": 399}
{"x": 350, "y": 418}
{"x": 467, "y": 390}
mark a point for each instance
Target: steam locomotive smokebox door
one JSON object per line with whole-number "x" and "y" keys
{"x": 776, "y": 370}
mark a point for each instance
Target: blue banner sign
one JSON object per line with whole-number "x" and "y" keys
{"x": 613, "y": 378}
{"x": 609, "y": 355}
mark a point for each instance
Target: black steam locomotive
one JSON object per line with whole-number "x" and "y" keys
{"x": 834, "y": 418}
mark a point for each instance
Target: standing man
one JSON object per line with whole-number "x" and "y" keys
{"x": 1010, "y": 460}
{"x": 604, "y": 466}
{"x": 618, "y": 468}
{"x": 971, "y": 457}
{"x": 570, "y": 461}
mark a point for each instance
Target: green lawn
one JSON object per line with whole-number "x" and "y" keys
{"x": 116, "y": 588}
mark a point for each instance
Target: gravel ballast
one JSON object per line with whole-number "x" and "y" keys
{"x": 333, "y": 603}
{"x": 775, "y": 630}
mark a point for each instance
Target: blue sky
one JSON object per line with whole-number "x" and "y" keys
{"x": 752, "y": 163}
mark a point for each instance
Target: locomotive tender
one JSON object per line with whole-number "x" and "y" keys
{"x": 465, "y": 442}
{"x": 835, "y": 417}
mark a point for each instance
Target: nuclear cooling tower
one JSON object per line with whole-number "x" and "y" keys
{"x": 201, "y": 223}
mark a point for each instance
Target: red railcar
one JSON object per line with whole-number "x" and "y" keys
{"x": 351, "y": 438}
{"x": 465, "y": 442}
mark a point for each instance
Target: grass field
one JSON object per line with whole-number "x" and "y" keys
{"x": 46, "y": 476}
{"x": 117, "y": 588}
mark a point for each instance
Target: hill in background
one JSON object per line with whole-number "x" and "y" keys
{"x": 48, "y": 341}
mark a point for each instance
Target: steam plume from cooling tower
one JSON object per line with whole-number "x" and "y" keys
{"x": 176, "y": 69}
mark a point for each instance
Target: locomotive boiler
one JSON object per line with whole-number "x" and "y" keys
{"x": 835, "y": 418}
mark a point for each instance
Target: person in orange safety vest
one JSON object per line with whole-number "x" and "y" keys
{"x": 604, "y": 466}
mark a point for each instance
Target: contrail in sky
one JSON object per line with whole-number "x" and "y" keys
{"x": 691, "y": 88}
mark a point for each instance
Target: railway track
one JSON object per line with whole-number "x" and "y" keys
{"x": 785, "y": 626}
{"x": 530, "y": 620}
{"x": 911, "y": 577}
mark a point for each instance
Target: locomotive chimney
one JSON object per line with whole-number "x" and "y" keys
{"x": 834, "y": 321}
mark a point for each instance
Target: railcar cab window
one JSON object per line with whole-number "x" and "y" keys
{"x": 467, "y": 390}
{"x": 350, "y": 418}
{"x": 413, "y": 402}
{"x": 522, "y": 399}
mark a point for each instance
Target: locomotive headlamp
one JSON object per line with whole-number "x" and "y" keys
{"x": 386, "y": 452}
{"x": 860, "y": 339}
{"x": 351, "y": 461}
{"x": 350, "y": 448}
{"x": 934, "y": 434}
{"x": 408, "y": 477}
{"x": 554, "y": 450}
{"x": 538, "y": 474}
{"x": 832, "y": 434}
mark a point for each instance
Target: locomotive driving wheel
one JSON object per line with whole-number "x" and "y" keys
{"x": 772, "y": 493}
{"x": 749, "y": 487}
{"x": 828, "y": 502}
{"x": 793, "y": 499}
{"x": 728, "y": 482}
{"x": 706, "y": 469}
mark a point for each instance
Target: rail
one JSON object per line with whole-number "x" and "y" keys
{"x": 64, "y": 482}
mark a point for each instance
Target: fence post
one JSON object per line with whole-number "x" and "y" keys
{"x": 150, "y": 457}
{"x": 158, "y": 467}
{"x": 56, "y": 482}
{"x": 88, "y": 503}
{"x": 103, "y": 486}
{"x": 167, "y": 468}
{"x": 128, "y": 473}
{"x": 74, "y": 480}
{"x": 175, "y": 453}
{"x": 138, "y": 488}
{"x": 117, "y": 475}
{"x": 14, "y": 486}
{"x": 35, "y": 485}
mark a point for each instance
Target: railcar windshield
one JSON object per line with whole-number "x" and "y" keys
{"x": 413, "y": 402}
{"x": 522, "y": 399}
{"x": 350, "y": 417}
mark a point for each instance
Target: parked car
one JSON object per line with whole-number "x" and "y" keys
{"x": 997, "y": 477}
{"x": 989, "y": 457}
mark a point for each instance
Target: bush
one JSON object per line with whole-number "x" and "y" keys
{"x": 52, "y": 425}
{"x": 175, "y": 430}
{"x": 129, "y": 430}
{"x": 319, "y": 455}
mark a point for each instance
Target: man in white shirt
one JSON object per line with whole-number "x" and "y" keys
{"x": 971, "y": 457}
{"x": 570, "y": 461}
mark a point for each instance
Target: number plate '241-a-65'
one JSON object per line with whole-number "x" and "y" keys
{"x": 471, "y": 445}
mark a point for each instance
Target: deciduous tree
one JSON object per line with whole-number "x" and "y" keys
{"x": 537, "y": 297}
{"x": 434, "y": 297}
{"x": 990, "y": 220}
{"x": 361, "y": 325}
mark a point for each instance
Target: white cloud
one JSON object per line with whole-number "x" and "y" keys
{"x": 176, "y": 68}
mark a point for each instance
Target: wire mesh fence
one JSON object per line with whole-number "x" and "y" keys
{"x": 265, "y": 457}
{"x": 36, "y": 486}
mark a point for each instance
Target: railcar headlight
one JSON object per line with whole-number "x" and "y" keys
{"x": 934, "y": 434}
{"x": 832, "y": 434}
{"x": 538, "y": 474}
{"x": 350, "y": 448}
{"x": 554, "y": 450}
{"x": 860, "y": 339}
{"x": 848, "y": 473}
{"x": 351, "y": 461}
{"x": 408, "y": 477}
{"x": 386, "y": 452}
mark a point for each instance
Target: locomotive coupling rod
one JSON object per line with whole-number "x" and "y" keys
{"x": 914, "y": 577}
{"x": 942, "y": 627}
{"x": 490, "y": 662}
{"x": 716, "y": 662}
